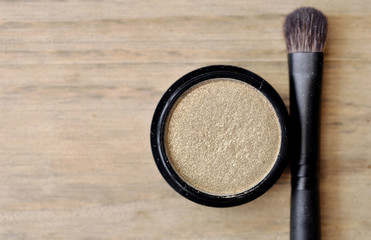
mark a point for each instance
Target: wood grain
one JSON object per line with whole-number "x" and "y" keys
{"x": 79, "y": 84}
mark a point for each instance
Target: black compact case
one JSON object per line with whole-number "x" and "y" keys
{"x": 158, "y": 128}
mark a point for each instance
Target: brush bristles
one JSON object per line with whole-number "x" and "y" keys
{"x": 305, "y": 30}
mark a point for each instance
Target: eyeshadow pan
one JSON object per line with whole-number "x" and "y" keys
{"x": 222, "y": 136}
{"x": 219, "y": 136}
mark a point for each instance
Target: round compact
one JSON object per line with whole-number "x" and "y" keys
{"x": 219, "y": 136}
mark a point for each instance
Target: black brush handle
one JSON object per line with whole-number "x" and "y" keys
{"x": 305, "y": 71}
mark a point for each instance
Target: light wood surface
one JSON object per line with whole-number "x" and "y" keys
{"x": 80, "y": 81}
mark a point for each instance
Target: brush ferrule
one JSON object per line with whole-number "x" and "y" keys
{"x": 305, "y": 70}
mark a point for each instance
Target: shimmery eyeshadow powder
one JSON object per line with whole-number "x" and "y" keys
{"x": 222, "y": 136}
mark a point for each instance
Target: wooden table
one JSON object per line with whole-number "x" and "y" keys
{"x": 80, "y": 81}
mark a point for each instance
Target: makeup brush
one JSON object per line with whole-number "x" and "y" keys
{"x": 305, "y": 32}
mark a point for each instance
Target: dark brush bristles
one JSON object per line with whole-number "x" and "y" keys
{"x": 305, "y": 30}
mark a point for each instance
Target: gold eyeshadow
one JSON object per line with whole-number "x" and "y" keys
{"x": 222, "y": 136}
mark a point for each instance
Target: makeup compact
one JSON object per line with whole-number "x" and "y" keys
{"x": 219, "y": 136}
